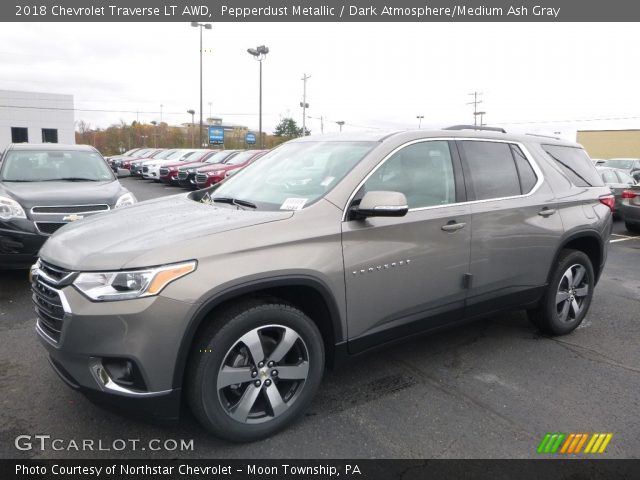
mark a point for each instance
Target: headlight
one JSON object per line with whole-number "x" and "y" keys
{"x": 125, "y": 200}
{"x": 215, "y": 173}
{"x": 125, "y": 285}
{"x": 9, "y": 209}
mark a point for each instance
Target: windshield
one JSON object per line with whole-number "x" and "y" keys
{"x": 47, "y": 166}
{"x": 241, "y": 157}
{"x": 199, "y": 154}
{"x": 220, "y": 156}
{"x": 623, "y": 163}
{"x": 164, "y": 154}
{"x": 294, "y": 175}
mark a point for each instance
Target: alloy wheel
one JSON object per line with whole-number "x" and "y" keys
{"x": 573, "y": 290}
{"x": 263, "y": 374}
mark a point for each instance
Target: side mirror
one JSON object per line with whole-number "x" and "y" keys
{"x": 382, "y": 204}
{"x": 123, "y": 172}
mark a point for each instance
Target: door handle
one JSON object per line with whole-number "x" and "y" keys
{"x": 452, "y": 226}
{"x": 547, "y": 212}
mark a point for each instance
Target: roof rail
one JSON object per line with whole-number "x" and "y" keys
{"x": 476, "y": 127}
{"x": 542, "y": 136}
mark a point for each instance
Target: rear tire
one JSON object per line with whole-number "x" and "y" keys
{"x": 568, "y": 295}
{"x": 254, "y": 370}
{"x": 632, "y": 227}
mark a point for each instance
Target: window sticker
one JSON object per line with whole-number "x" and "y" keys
{"x": 293, "y": 204}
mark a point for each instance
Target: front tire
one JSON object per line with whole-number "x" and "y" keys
{"x": 568, "y": 296}
{"x": 254, "y": 370}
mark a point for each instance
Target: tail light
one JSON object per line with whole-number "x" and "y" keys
{"x": 609, "y": 201}
{"x": 629, "y": 194}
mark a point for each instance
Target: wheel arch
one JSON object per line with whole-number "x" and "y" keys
{"x": 590, "y": 243}
{"x": 309, "y": 294}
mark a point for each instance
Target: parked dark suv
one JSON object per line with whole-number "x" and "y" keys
{"x": 44, "y": 187}
{"x": 325, "y": 248}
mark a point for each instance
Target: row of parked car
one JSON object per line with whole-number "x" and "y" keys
{"x": 187, "y": 168}
{"x": 622, "y": 176}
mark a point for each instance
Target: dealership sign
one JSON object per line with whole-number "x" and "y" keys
{"x": 216, "y": 135}
{"x": 250, "y": 138}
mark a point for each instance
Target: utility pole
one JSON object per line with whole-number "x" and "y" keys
{"x": 161, "y": 112}
{"x": 475, "y": 106}
{"x": 304, "y": 103}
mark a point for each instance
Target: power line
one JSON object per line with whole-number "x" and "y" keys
{"x": 98, "y": 110}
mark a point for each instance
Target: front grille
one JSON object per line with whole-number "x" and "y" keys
{"x": 55, "y": 273}
{"x": 182, "y": 175}
{"x": 164, "y": 172}
{"x": 49, "y": 227}
{"x": 63, "y": 209}
{"x": 145, "y": 169}
{"x": 49, "y": 309}
{"x": 201, "y": 178}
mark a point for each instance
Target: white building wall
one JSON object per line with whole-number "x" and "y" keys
{"x": 36, "y": 111}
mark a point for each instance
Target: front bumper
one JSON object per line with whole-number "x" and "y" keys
{"x": 20, "y": 242}
{"x": 146, "y": 332}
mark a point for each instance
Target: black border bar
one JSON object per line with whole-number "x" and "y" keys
{"x": 320, "y": 11}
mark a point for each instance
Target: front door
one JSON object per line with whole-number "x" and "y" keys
{"x": 406, "y": 274}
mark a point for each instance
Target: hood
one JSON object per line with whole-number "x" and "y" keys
{"x": 31, "y": 194}
{"x": 196, "y": 165}
{"x": 160, "y": 229}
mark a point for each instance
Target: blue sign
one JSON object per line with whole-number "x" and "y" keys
{"x": 216, "y": 135}
{"x": 250, "y": 138}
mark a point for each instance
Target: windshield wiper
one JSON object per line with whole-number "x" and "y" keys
{"x": 236, "y": 202}
{"x": 70, "y": 179}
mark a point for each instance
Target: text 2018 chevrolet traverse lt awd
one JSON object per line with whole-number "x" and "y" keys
{"x": 235, "y": 297}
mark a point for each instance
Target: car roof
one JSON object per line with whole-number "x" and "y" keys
{"x": 50, "y": 147}
{"x": 408, "y": 135}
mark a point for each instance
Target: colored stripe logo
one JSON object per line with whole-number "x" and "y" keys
{"x": 573, "y": 443}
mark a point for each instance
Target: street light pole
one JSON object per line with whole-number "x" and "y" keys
{"x": 208, "y": 27}
{"x": 341, "y": 123}
{"x": 192, "y": 112}
{"x": 419, "y": 117}
{"x": 259, "y": 53}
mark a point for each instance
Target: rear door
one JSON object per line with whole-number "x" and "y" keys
{"x": 406, "y": 274}
{"x": 515, "y": 224}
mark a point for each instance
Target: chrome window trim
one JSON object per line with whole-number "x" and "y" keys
{"x": 537, "y": 170}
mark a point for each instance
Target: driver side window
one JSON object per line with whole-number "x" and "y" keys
{"x": 422, "y": 171}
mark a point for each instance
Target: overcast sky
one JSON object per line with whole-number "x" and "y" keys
{"x": 534, "y": 77}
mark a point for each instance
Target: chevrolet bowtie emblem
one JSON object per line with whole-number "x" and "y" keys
{"x": 72, "y": 218}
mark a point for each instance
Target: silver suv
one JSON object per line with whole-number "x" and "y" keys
{"x": 236, "y": 297}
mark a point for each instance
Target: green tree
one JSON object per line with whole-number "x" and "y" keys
{"x": 288, "y": 128}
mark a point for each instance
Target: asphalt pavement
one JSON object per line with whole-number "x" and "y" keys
{"x": 491, "y": 389}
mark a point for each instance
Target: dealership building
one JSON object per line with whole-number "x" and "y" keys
{"x": 610, "y": 143}
{"x": 30, "y": 117}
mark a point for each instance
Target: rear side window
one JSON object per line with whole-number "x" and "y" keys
{"x": 576, "y": 165}
{"x": 528, "y": 178}
{"x": 492, "y": 169}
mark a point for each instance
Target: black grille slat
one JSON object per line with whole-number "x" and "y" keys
{"x": 164, "y": 172}
{"x": 48, "y": 305}
{"x": 71, "y": 209}
{"x": 49, "y": 227}
{"x": 53, "y": 311}
{"x": 53, "y": 272}
{"x": 201, "y": 177}
{"x": 182, "y": 175}
{"x": 145, "y": 169}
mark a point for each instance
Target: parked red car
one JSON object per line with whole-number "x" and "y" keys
{"x": 168, "y": 172}
{"x": 212, "y": 174}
